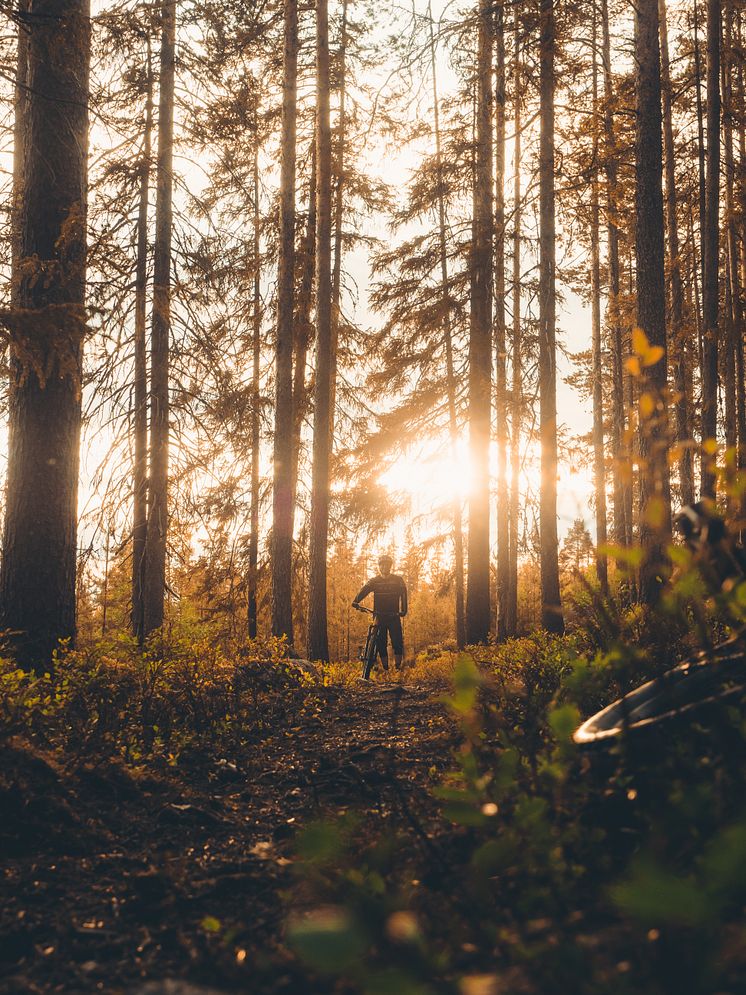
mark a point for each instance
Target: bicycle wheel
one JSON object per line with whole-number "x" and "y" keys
{"x": 370, "y": 652}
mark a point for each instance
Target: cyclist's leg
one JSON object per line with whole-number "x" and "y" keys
{"x": 397, "y": 641}
{"x": 382, "y": 641}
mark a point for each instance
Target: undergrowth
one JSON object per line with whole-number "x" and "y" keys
{"x": 551, "y": 868}
{"x": 183, "y": 693}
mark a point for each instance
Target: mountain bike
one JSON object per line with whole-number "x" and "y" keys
{"x": 369, "y": 653}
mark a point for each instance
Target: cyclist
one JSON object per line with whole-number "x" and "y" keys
{"x": 390, "y": 606}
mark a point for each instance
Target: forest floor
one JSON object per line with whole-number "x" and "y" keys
{"x": 119, "y": 878}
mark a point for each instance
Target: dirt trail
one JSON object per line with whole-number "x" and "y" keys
{"x": 114, "y": 879}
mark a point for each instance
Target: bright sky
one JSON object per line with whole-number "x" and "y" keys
{"x": 428, "y": 480}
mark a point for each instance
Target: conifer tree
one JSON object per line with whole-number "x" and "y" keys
{"x": 478, "y": 583}
{"x": 655, "y": 501}
{"x": 318, "y": 640}
{"x": 46, "y": 328}
{"x": 282, "y": 510}
{"x": 158, "y": 506}
{"x": 551, "y": 607}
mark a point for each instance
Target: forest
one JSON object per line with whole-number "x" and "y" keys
{"x": 438, "y": 301}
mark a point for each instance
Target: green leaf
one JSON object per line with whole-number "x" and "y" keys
{"x": 466, "y": 679}
{"x": 327, "y": 939}
{"x": 654, "y": 896}
{"x": 564, "y": 720}
{"x": 320, "y": 842}
{"x": 210, "y": 924}
{"x": 464, "y": 813}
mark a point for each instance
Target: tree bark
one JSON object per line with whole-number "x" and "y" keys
{"x": 140, "y": 399}
{"x": 678, "y": 338}
{"x": 501, "y": 400}
{"x": 282, "y": 510}
{"x": 551, "y": 606}
{"x": 256, "y": 345}
{"x": 655, "y": 500}
{"x": 516, "y": 406}
{"x": 458, "y": 538}
{"x": 701, "y": 154}
{"x": 711, "y": 249}
{"x": 318, "y": 639}
{"x": 37, "y": 577}
{"x": 730, "y": 75}
{"x": 339, "y": 187}
{"x": 304, "y": 327}
{"x": 157, "y": 533}
{"x": 20, "y": 97}
{"x": 480, "y": 336}
{"x": 621, "y": 458}
{"x": 599, "y": 467}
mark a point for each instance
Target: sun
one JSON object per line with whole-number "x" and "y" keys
{"x": 430, "y": 475}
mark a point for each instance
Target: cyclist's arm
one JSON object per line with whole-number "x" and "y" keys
{"x": 403, "y": 600}
{"x": 363, "y": 593}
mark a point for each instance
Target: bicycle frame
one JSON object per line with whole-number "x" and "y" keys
{"x": 369, "y": 654}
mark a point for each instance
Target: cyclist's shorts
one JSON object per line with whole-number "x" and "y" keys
{"x": 390, "y": 625}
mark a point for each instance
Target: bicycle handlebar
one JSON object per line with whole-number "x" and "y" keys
{"x": 370, "y": 611}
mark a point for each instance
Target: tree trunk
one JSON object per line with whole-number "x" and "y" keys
{"x": 711, "y": 249}
{"x": 480, "y": 336}
{"x": 256, "y": 345}
{"x": 20, "y": 99}
{"x": 655, "y": 501}
{"x": 318, "y": 639}
{"x": 140, "y": 399}
{"x": 599, "y": 469}
{"x": 282, "y": 510}
{"x": 516, "y": 407}
{"x": 157, "y": 533}
{"x": 304, "y": 327}
{"x": 700, "y": 147}
{"x": 678, "y": 339}
{"x": 501, "y": 400}
{"x": 37, "y": 577}
{"x": 621, "y": 458}
{"x": 339, "y": 187}
{"x": 551, "y": 606}
{"x": 458, "y": 538}
{"x": 730, "y": 74}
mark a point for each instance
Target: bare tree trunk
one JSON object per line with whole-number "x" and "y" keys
{"x": 478, "y": 587}
{"x": 304, "y": 327}
{"x": 711, "y": 249}
{"x": 458, "y": 538}
{"x": 37, "y": 576}
{"x": 501, "y": 400}
{"x": 599, "y": 468}
{"x": 339, "y": 188}
{"x": 678, "y": 332}
{"x": 318, "y": 639}
{"x": 621, "y": 458}
{"x": 655, "y": 499}
{"x": 140, "y": 400}
{"x": 730, "y": 74}
{"x": 516, "y": 408}
{"x": 700, "y": 142}
{"x": 282, "y": 510}
{"x": 155, "y": 555}
{"x": 20, "y": 99}
{"x": 551, "y": 606}
{"x": 256, "y": 344}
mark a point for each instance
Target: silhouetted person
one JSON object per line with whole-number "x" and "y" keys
{"x": 390, "y": 606}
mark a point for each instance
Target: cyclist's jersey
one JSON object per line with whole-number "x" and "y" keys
{"x": 389, "y": 594}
